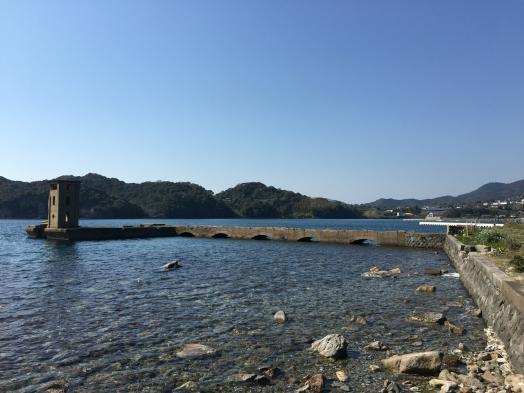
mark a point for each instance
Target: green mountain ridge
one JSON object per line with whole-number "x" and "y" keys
{"x": 103, "y": 197}
{"x": 486, "y": 193}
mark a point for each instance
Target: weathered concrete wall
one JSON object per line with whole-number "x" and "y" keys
{"x": 425, "y": 240}
{"x": 500, "y": 298}
{"x": 386, "y": 238}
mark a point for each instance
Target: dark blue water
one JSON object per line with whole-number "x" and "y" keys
{"x": 102, "y": 316}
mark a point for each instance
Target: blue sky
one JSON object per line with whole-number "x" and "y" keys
{"x": 352, "y": 100}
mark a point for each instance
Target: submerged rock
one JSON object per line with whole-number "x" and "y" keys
{"x": 315, "y": 383}
{"x": 423, "y": 363}
{"x": 431, "y": 271}
{"x": 376, "y": 272}
{"x": 391, "y": 387}
{"x": 189, "y": 386}
{"x": 280, "y": 316}
{"x": 429, "y": 317}
{"x": 457, "y": 329}
{"x": 332, "y": 346}
{"x": 192, "y": 351}
{"x": 377, "y": 346}
{"x": 426, "y": 288}
{"x": 171, "y": 265}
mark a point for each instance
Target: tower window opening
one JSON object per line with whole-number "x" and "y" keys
{"x": 53, "y": 200}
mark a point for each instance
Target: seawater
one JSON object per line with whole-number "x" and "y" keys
{"x": 102, "y": 316}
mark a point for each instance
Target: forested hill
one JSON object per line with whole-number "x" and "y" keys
{"x": 103, "y": 197}
{"x": 259, "y": 201}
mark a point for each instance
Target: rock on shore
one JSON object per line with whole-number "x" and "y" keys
{"x": 429, "y": 317}
{"x": 332, "y": 346}
{"x": 423, "y": 363}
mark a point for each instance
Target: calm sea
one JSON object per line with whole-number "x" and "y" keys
{"x": 102, "y": 316}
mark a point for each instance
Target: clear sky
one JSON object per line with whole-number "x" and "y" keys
{"x": 352, "y": 100}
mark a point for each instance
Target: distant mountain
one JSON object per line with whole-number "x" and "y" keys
{"x": 487, "y": 192}
{"x": 103, "y": 197}
{"x": 260, "y": 201}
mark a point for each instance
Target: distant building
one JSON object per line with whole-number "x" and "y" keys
{"x": 63, "y": 204}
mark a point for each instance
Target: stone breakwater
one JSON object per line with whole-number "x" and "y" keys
{"x": 386, "y": 238}
{"x": 499, "y": 297}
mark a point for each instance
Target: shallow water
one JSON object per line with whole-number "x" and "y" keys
{"x": 103, "y": 316}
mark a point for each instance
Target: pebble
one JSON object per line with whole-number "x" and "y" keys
{"x": 342, "y": 376}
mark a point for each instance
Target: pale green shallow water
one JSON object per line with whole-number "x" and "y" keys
{"x": 102, "y": 316}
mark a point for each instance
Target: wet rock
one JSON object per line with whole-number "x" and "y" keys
{"x": 391, "y": 387}
{"x": 171, "y": 265}
{"x": 342, "y": 376}
{"x": 457, "y": 329}
{"x": 426, "y": 288}
{"x": 377, "y": 346}
{"x": 261, "y": 380}
{"x": 429, "y": 317}
{"x": 270, "y": 371}
{"x": 57, "y": 387}
{"x": 515, "y": 382}
{"x": 450, "y": 360}
{"x": 280, "y": 316}
{"x": 332, "y": 346}
{"x": 242, "y": 377}
{"x": 193, "y": 351}
{"x": 477, "y": 312}
{"x": 338, "y": 386}
{"x": 376, "y": 272}
{"x": 445, "y": 386}
{"x": 189, "y": 386}
{"x": 423, "y": 363}
{"x": 314, "y": 383}
{"x": 433, "y": 271}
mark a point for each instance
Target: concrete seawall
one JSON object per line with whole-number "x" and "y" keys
{"x": 342, "y": 236}
{"x": 386, "y": 238}
{"x": 500, "y": 298}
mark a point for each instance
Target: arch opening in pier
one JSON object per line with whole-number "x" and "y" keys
{"x": 186, "y": 234}
{"x": 261, "y": 237}
{"x": 363, "y": 242}
{"x": 308, "y": 239}
{"x": 220, "y": 236}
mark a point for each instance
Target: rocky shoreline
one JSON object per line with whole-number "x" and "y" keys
{"x": 456, "y": 370}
